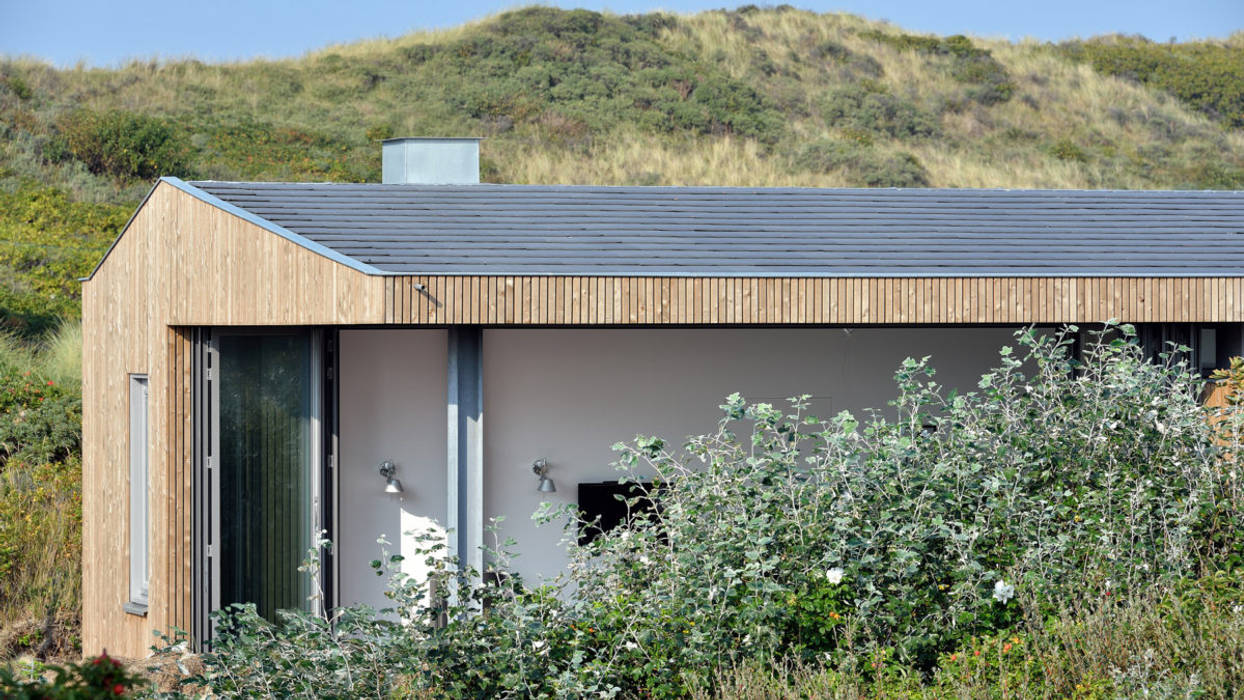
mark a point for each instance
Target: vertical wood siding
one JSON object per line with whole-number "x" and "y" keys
{"x": 180, "y": 263}
{"x": 649, "y": 301}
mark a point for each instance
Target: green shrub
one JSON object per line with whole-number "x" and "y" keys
{"x": 378, "y": 132}
{"x": 599, "y": 70}
{"x": 1043, "y": 484}
{"x": 1208, "y": 174}
{"x": 40, "y": 421}
{"x": 1205, "y": 75}
{"x": 47, "y": 242}
{"x": 40, "y": 489}
{"x": 861, "y": 164}
{"x": 898, "y": 170}
{"x": 124, "y": 145}
{"x": 858, "y": 107}
{"x": 17, "y": 86}
{"x": 989, "y": 81}
{"x": 1066, "y": 149}
{"x": 100, "y": 677}
{"x": 259, "y": 150}
{"x": 41, "y": 546}
{"x": 1184, "y": 643}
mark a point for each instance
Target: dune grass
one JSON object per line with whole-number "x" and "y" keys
{"x": 319, "y": 117}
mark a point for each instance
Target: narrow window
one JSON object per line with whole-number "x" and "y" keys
{"x": 1207, "y": 351}
{"x": 140, "y": 565}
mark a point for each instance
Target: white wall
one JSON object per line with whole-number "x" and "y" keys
{"x": 567, "y": 395}
{"x": 392, "y": 407}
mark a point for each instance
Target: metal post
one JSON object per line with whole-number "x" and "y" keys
{"x": 466, "y": 446}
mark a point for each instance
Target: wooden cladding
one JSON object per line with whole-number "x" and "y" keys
{"x": 178, "y": 467}
{"x": 609, "y": 301}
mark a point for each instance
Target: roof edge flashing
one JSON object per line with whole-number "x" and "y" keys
{"x": 297, "y": 239}
{"x": 213, "y": 200}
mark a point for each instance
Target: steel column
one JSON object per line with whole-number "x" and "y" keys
{"x": 466, "y": 446}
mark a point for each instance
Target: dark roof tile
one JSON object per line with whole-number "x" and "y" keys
{"x": 776, "y": 232}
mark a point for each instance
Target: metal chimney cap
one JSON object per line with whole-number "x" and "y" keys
{"x": 422, "y": 160}
{"x": 432, "y": 138}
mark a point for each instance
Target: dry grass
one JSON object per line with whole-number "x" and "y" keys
{"x": 634, "y": 158}
{"x": 60, "y": 357}
{"x": 1055, "y": 99}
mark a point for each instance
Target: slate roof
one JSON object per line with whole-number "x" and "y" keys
{"x": 764, "y": 232}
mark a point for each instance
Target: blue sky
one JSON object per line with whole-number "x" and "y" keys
{"x": 107, "y": 32}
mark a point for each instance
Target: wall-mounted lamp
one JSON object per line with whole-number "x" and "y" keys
{"x": 541, "y": 468}
{"x": 391, "y": 484}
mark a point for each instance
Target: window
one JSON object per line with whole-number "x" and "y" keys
{"x": 140, "y": 565}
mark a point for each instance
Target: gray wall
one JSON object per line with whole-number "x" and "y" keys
{"x": 568, "y": 394}
{"x": 392, "y": 407}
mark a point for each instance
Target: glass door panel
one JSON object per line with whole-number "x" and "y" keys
{"x": 266, "y": 445}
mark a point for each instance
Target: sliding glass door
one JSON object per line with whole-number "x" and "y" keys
{"x": 267, "y": 465}
{"x": 262, "y": 479}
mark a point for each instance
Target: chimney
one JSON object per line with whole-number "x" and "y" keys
{"x": 430, "y": 161}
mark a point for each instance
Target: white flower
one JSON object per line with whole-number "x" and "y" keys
{"x": 538, "y": 645}
{"x": 834, "y": 575}
{"x": 1003, "y": 591}
{"x": 631, "y": 645}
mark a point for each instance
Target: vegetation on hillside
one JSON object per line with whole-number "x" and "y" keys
{"x": 48, "y": 241}
{"x": 40, "y": 493}
{"x": 1206, "y": 75}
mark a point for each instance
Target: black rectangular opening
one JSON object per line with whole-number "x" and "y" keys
{"x": 602, "y": 506}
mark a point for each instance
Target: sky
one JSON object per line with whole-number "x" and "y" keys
{"x": 110, "y": 32}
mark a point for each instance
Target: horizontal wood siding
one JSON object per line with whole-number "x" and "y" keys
{"x": 621, "y": 301}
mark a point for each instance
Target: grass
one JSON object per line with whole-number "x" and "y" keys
{"x": 310, "y": 117}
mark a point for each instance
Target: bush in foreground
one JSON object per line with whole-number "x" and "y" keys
{"x": 883, "y": 550}
{"x": 100, "y": 677}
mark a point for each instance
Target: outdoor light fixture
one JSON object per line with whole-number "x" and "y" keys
{"x": 541, "y": 468}
{"x": 391, "y": 484}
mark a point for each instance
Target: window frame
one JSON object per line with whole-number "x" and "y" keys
{"x": 139, "y": 531}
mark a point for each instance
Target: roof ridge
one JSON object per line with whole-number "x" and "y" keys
{"x": 713, "y": 188}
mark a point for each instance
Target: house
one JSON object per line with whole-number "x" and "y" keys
{"x": 264, "y": 361}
